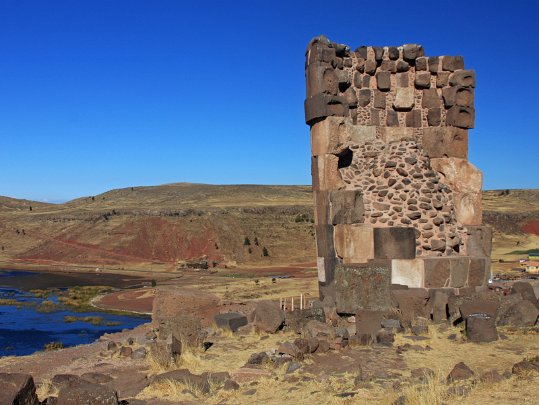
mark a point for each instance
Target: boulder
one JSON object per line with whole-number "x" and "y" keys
{"x": 87, "y": 394}
{"x": 267, "y": 316}
{"x": 60, "y": 381}
{"x": 523, "y": 313}
{"x": 17, "y": 389}
{"x": 296, "y": 320}
{"x": 526, "y": 291}
{"x": 481, "y": 328}
{"x": 524, "y": 368}
{"x": 291, "y": 349}
{"x": 230, "y": 321}
{"x": 412, "y": 303}
{"x": 317, "y": 329}
{"x": 171, "y": 301}
{"x": 460, "y": 372}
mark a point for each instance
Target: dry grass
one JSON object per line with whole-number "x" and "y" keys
{"x": 46, "y": 389}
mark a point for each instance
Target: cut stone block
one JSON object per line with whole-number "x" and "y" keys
{"x": 468, "y": 209}
{"x": 452, "y": 63}
{"x": 408, "y": 272}
{"x": 410, "y": 52}
{"x": 404, "y": 99}
{"x": 333, "y": 134}
{"x": 396, "y": 134}
{"x": 479, "y": 241}
{"x": 462, "y": 117}
{"x": 321, "y": 78}
{"x": 363, "y": 287}
{"x": 465, "y": 78}
{"x": 230, "y": 321}
{"x": 479, "y": 273}
{"x": 413, "y": 119}
{"x": 460, "y": 96}
{"x": 383, "y": 81}
{"x": 459, "y": 267}
{"x": 394, "y": 243}
{"x": 354, "y": 243}
{"x": 459, "y": 174}
{"x": 321, "y": 207}
{"x": 322, "y": 105}
{"x": 437, "y": 272}
{"x": 439, "y": 306}
{"x": 325, "y": 173}
{"x": 440, "y": 142}
{"x": 324, "y": 241}
{"x": 422, "y": 80}
{"x": 431, "y": 99}
{"x": 346, "y": 207}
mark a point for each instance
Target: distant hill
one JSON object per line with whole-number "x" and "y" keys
{"x": 163, "y": 224}
{"x": 168, "y": 224}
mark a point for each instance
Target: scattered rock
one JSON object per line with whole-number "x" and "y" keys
{"x": 139, "y": 354}
{"x": 318, "y": 329}
{"x": 87, "y": 394}
{"x": 291, "y": 349}
{"x": 293, "y": 366}
{"x": 96, "y": 378}
{"x": 245, "y": 374}
{"x": 231, "y": 385}
{"x": 252, "y": 391}
{"x": 481, "y": 328}
{"x": 523, "y": 313}
{"x": 296, "y": 320}
{"x": 258, "y": 358}
{"x": 184, "y": 376}
{"x": 491, "y": 376}
{"x": 460, "y": 372}
{"x": 524, "y": 368}
{"x": 230, "y": 321}
{"x": 126, "y": 351}
{"x": 17, "y": 389}
{"x": 267, "y": 316}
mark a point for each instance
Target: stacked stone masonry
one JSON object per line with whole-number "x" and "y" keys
{"x": 389, "y": 138}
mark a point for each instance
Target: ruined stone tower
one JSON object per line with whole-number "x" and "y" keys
{"x": 396, "y": 200}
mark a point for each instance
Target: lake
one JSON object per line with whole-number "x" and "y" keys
{"x": 26, "y": 325}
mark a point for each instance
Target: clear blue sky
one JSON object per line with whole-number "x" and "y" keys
{"x": 96, "y": 95}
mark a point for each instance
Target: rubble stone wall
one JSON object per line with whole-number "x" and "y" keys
{"x": 389, "y": 138}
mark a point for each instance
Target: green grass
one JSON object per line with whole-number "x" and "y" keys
{"x": 524, "y": 252}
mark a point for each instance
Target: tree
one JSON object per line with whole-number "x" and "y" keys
{"x": 265, "y": 251}
{"x": 246, "y": 242}
{"x": 256, "y": 241}
{"x": 30, "y": 208}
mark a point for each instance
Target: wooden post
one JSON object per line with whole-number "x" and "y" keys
{"x": 301, "y": 301}
{"x": 292, "y": 309}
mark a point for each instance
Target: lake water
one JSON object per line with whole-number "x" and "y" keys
{"x": 24, "y": 329}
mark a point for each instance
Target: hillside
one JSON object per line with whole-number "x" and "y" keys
{"x": 163, "y": 226}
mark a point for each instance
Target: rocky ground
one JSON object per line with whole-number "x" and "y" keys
{"x": 202, "y": 348}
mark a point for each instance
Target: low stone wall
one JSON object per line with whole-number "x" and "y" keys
{"x": 391, "y": 179}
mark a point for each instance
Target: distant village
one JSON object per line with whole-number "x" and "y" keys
{"x": 531, "y": 264}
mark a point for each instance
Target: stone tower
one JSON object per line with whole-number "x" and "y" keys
{"x": 396, "y": 200}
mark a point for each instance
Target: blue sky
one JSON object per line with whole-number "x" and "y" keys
{"x": 96, "y": 95}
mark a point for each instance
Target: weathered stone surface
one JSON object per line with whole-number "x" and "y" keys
{"x": 346, "y": 207}
{"x": 479, "y": 273}
{"x": 230, "y": 321}
{"x": 458, "y": 268}
{"x": 267, "y": 316}
{"x": 296, "y": 320}
{"x": 369, "y": 322}
{"x": 383, "y": 81}
{"x": 464, "y": 78}
{"x": 468, "y": 210}
{"x": 379, "y": 99}
{"x": 363, "y": 287}
{"x": 247, "y": 374}
{"x": 394, "y": 243}
{"x": 452, "y": 63}
{"x": 323, "y": 105}
{"x": 17, "y": 389}
{"x": 321, "y": 78}
{"x": 525, "y": 289}
{"x": 354, "y": 242}
{"x": 325, "y": 171}
{"x": 404, "y": 99}
{"x": 410, "y": 52}
{"x": 459, "y": 174}
{"x": 318, "y": 329}
{"x": 434, "y": 117}
{"x": 431, "y": 99}
{"x": 413, "y": 119}
{"x": 325, "y": 249}
{"x": 523, "y": 313}
{"x": 460, "y": 372}
{"x": 408, "y": 272}
{"x": 445, "y": 141}
{"x": 171, "y": 301}
{"x": 200, "y": 382}
{"x": 87, "y": 394}
{"x": 442, "y": 79}
{"x": 412, "y": 303}
{"x": 364, "y": 97}
{"x": 481, "y": 328}
{"x": 422, "y": 80}
{"x": 460, "y": 96}
{"x": 479, "y": 241}
{"x": 396, "y": 134}
{"x": 439, "y": 306}
{"x": 462, "y": 117}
